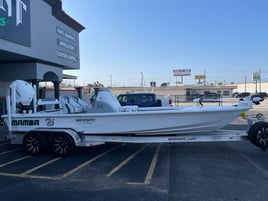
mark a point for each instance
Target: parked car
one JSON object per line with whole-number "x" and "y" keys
{"x": 261, "y": 95}
{"x": 235, "y": 94}
{"x": 210, "y": 98}
{"x": 243, "y": 95}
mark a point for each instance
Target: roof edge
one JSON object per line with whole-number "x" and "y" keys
{"x": 62, "y": 16}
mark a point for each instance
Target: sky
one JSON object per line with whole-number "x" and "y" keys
{"x": 134, "y": 42}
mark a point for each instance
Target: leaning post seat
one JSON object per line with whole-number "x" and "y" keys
{"x": 71, "y": 104}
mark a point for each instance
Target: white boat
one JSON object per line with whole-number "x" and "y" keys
{"x": 146, "y": 122}
{"x": 106, "y": 117}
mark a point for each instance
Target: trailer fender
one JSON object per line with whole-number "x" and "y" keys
{"x": 74, "y": 135}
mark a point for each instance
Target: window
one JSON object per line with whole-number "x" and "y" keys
{"x": 226, "y": 93}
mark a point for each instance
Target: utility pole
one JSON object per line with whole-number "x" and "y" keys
{"x": 245, "y": 83}
{"x": 205, "y": 78}
{"x": 111, "y": 80}
{"x": 142, "y": 79}
{"x": 260, "y": 77}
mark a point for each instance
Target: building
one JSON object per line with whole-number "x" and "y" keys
{"x": 179, "y": 93}
{"x": 38, "y": 41}
{"x": 252, "y": 87}
{"x": 36, "y": 46}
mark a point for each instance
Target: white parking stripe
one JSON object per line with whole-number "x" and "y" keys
{"x": 14, "y": 161}
{"x": 152, "y": 166}
{"x": 118, "y": 167}
{"x": 10, "y": 151}
{"x": 87, "y": 163}
{"x": 40, "y": 166}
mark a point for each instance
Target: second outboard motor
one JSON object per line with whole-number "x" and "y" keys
{"x": 105, "y": 101}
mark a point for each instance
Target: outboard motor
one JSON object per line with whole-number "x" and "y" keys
{"x": 24, "y": 94}
{"x": 105, "y": 101}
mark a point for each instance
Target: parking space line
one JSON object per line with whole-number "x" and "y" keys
{"x": 14, "y": 161}
{"x": 151, "y": 169}
{"x": 87, "y": 162}
{"x": 26, "y": 176}
{"x": 118, "y": 167}
{"x": 136, "y": 183}
{"x": 10, "y": 151}
{"x": 27, "y": 173}
{"x": 40, "y": 166}
{"x": 150, "y": 172}
{"x": 258, "y": 167}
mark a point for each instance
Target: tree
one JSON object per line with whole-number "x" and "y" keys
{"x": 96, "y": 84}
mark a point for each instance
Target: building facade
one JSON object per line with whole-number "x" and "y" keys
{"x": 38, "y": 41}
{"x": 180, "y": 93}
{"x": 252, "y": 87}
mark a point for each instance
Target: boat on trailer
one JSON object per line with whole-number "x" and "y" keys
{"x": 77, "y": 123}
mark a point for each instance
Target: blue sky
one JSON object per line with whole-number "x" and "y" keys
{"x": 124, "y": 38}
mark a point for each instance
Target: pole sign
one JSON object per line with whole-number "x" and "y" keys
{"x": 200, "y": 77}
{"x": 15, "y": 21}
{"x": 182, "y": 72}
{"x": 256, "y": 76}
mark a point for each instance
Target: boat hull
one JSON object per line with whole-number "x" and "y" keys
{"x": 181, "y": 120}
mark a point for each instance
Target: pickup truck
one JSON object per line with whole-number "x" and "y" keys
{"x": 143, "y": 100}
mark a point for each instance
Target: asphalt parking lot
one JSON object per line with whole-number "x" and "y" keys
{"x": 221, "y": 171}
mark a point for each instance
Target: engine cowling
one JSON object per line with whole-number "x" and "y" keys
{"x": 24, "y": 92}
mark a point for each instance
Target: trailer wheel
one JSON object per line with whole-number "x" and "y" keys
{"x": 258, "y": 134}
{"x": 35, "y": 143}
{"x": 63, "y": 144}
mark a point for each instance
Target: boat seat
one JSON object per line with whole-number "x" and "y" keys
{"x": 65, "y": 107}
{"x": 80, "y": 102}
{"x": 71, "y": 105}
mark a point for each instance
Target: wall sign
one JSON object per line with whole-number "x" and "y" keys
{"x": 67, "y": 44}
{"x": 15, "y": 21}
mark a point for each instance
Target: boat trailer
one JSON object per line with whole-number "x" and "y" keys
{"x": 255, "y": 125}
{"x": 66, "y": 140}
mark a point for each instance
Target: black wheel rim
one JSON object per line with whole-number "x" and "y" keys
{"x": 262, "y": 136}
{"x": 61, "y": 145}
{"x": 32, "y": 144}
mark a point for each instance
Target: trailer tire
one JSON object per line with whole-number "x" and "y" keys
{"x": 35, "y": 144}
{"x": 63, "y": 144}
{"x": 258, "y": 134}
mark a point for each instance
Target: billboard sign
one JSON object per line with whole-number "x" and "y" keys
{"x": 256, "y": 76}
{"x": 182, "y": 72}
{"x": 15, "y": 21}
{"x": 200, "y": 77}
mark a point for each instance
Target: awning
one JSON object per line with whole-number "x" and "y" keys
{"x": 69, "y": 77}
